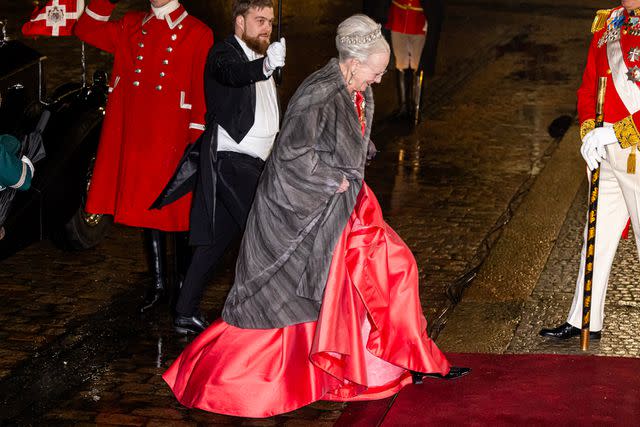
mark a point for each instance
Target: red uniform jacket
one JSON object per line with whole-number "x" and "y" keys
{"x": 155, "y": 109}
{"x": 406, "y": 16}
{"x": 626, "y": 122}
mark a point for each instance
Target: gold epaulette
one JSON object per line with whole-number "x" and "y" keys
{"x": 600, "y": 20}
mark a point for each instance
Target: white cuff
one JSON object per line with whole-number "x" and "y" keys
{"x": 267, "y": 71}
{"x": 26, "y": 163}
{"x": 96, "y": 16}
{"x": 26, "y": 160}
{"x": 23, "y": 177}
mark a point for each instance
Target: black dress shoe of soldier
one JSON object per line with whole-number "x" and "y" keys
{"x": 566, "y": 331}
{"x": 454, "y": 372}
{"x": 189, "y": 324}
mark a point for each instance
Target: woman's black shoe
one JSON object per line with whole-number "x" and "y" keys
{"x": 454, "y": 372}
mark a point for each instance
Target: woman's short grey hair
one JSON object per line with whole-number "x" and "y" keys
{"x": 359, "y": 37}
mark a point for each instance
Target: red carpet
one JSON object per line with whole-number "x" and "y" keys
{"x": 521, "y": 389}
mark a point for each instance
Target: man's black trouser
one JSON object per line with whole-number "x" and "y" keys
{"x": 238, "y": 176}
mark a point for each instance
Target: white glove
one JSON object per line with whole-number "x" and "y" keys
{"x": 276, "y": 53}
{"x": 593, "y": 145}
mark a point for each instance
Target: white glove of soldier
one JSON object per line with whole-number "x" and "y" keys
{"x": 593, "y": 145}
{"x": 276, "y": 53}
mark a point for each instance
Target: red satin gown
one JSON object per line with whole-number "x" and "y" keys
{"x": 369, "y": 334}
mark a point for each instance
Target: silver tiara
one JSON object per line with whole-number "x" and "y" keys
{"x": 364, "y": 39}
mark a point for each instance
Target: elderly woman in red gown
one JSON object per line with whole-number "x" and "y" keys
{"x": 325, "y": 303}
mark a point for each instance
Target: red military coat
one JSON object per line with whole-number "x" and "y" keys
{"x": 615, "y": 54}
{"x": 155, "y": 109}
{"x": 407, "y": 17}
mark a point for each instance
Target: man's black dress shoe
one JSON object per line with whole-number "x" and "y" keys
{"x": 454, "y": 372}
{"x": 566, "y": 331}
{"x": 189, "y": 324}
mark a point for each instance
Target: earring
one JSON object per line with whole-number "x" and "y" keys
{"x": 350, "y": 82}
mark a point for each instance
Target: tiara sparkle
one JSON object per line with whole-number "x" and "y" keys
{"x": 364, "y": 39}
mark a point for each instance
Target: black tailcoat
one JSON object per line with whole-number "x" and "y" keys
{"x": 230, "y": 94}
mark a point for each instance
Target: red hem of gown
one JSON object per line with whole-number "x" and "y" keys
{"x": 369, "y": 334}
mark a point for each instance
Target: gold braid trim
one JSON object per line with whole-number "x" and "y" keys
{"x": 586, "y": 127}
{"x": 408, "y": 7}
{"x": 600, "y": 20}
{"x": 626, "y": 132}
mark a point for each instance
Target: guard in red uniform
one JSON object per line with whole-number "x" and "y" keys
{"x": 615, "y": 54}
{"x": 414, "y": 48}
{"x": 155, "y": 109}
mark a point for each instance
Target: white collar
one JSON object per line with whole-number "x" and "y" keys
{"x": 163, "y": 11}
{"x": 251, "y": 54}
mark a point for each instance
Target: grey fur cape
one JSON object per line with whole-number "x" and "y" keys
{"x": 297, "y": 217}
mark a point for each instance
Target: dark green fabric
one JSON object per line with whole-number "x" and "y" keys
{"x": 11, "y": 167}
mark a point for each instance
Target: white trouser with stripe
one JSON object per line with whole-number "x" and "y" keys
{"x": 619, "y": 199}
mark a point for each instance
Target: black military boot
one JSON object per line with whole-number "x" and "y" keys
{"x": 417, "y": 92}
{"x": 409, "y": 80}
{"x": 155, "y": 245}
{"x": 401, "y": 112}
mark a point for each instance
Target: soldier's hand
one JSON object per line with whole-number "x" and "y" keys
{"x": 593, "y": 145}
{"x": 276, "y": 53}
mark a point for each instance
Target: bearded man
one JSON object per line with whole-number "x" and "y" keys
{"x": 242, "y": 123}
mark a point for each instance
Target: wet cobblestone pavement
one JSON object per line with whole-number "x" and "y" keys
{"x": 69, "y": 334}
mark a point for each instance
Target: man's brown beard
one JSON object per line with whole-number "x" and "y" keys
{"x": 256, "y": 44}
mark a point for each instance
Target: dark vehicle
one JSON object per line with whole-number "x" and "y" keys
{"x": 53, "y": 207}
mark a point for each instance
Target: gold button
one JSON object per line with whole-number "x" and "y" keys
{"x": 609, "y": 71}
{"x": 138, "y": 70}
{"x": 136, "y": 83}
{"x": 174, "y": 37}
{"x": 624, "y": 32}
{"x": 159, "y": 87}
{"x": 141, "y": 44}
{"x": 169, "y": 49}
{"x": 179, "y": 26}
{"x": 165, "y": 62}
{"x": 162, "y": 74}
{"x": 144, "y": 32}
{"x": 139, "y": 57}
